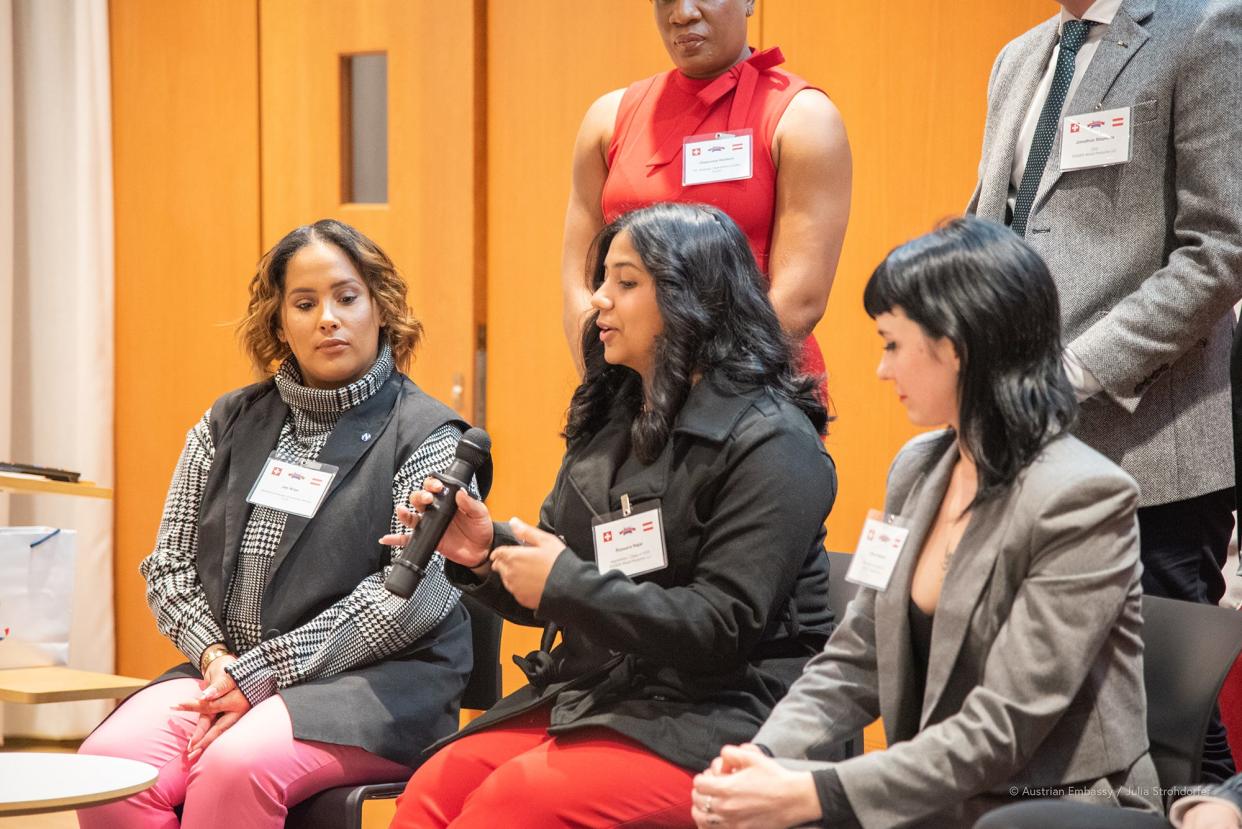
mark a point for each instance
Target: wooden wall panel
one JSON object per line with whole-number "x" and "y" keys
{"x": 547, "y": 62}
{"x": 911, "y": 86}
{"x": 428, "y": 224}
{"x": 186, "y": 169}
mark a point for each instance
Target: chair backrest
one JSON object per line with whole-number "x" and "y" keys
{"x": 1188, "y": 650}
{"x": 840, "y": 591}
{"x": 483, "y": 688}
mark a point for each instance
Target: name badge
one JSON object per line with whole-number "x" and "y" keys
{"x": 879, "y": 548}
{"x": 1097, "y": 139}
{"x": 631, "y": 540}
{"x": 295, "y": 488}
{"x": 721, "y": 156}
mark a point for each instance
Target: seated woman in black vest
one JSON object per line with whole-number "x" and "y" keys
{"x": 680, "y": 552}
{"x": 304, "y": 672}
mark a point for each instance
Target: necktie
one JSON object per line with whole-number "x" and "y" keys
{"x": 1073, "y": 36}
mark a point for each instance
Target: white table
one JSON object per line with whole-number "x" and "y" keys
{"x": 32, "y": 782}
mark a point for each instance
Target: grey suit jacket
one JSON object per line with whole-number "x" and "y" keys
{"x": 1147, "y": 256}
{"x": 1035, "y": 676}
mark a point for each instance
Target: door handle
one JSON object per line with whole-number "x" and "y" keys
{"x": 458, "y": 392}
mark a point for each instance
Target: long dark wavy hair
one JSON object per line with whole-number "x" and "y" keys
{"x": 717, "y": 320}
{"x": 992, "y": 296}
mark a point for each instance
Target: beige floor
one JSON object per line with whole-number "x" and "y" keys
{"x": 56, "y": 820}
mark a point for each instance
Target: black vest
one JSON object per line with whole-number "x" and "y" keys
{"x": 392, "y": 708}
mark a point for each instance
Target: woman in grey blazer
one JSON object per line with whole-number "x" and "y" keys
{"x": 1004, "y": 652}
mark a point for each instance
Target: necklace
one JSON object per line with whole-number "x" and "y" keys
{"x": 948, "y": 558}
{"x": 950, "y": 549}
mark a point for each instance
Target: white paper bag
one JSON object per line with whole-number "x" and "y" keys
{"x": 36, "y": 595}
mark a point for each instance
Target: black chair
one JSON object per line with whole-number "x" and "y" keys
{"x": 1235, "y": 383}
{"x": 341, "y": 808}
{"x": 1188, "y": 649}
{"x": 840, "y": 593}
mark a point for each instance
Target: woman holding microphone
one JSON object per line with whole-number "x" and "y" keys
{"x": 726, "y": 127}
{"x": 680, "y": 552}
{"x": 998, "y": 634}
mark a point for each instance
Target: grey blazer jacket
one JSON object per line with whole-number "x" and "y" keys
{"x": 1147, "y": 256}
{"x": 1035, "y": 676}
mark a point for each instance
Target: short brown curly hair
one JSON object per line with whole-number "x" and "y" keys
{"x": 259, "y": 329}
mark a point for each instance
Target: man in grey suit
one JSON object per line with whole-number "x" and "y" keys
{"x": 1114, "y": 147}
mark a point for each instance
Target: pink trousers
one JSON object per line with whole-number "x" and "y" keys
{"x": 248, "y": 778}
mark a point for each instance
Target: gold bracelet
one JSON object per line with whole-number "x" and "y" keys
{"x": 210, "y": 655}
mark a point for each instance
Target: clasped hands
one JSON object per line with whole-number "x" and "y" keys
{"x": 745, "y": 789}
{"x": 522, "y": 569}
{"x": 219, "y": 706}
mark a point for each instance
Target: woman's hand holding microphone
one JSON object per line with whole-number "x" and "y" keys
{"x": 522, "y": 569}
{"x": 468, "y": 537}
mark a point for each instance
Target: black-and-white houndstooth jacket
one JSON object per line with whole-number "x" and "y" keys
{"x": 365, "y": 626}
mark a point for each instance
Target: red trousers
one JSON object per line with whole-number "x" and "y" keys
{"x": 516, "y": 776}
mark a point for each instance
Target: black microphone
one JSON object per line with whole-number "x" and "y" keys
{"x": 411, "y": 563}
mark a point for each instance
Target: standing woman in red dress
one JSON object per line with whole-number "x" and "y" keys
{"x": 637, "y": 146}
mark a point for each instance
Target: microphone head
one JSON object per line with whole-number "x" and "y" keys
{"x": 475, "y": 447}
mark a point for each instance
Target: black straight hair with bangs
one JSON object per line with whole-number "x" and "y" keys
{"x": 992, "y": 296}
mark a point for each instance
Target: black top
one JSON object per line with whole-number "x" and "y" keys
{"x": 688, "y": 658}
{"x": 920, "y": 643}
{"x": 836, "y": 807}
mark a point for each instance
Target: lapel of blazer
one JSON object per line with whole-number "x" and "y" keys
{"x": 898, "y": 705}
{"x": 345, "y": 447}
{"x": 255, "y": 436}
{"x": 1016, "y": 86}
{"x": 1121, "y": 42}
{"x": 964, "y": 583}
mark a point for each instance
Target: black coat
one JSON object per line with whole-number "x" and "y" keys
{"x": 688, "y": 658}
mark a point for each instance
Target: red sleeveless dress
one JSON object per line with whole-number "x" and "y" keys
{"x": 657, "y": 114}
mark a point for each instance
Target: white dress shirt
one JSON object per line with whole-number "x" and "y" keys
{"x": 1102, "y": 12}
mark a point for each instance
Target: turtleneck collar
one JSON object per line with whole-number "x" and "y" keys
{"x": 317, "y": 410}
